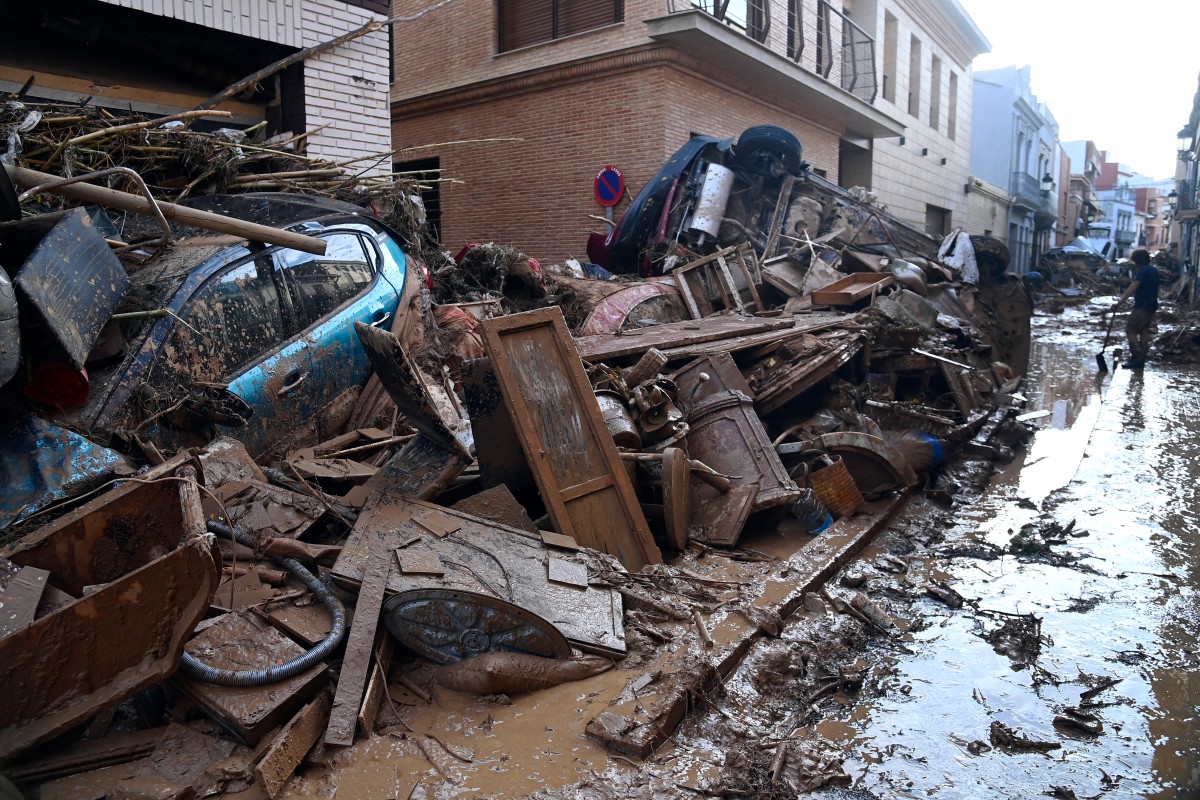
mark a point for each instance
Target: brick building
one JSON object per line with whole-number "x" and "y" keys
{"x": 166, "y": 56}
{"x": 580, "y": 85}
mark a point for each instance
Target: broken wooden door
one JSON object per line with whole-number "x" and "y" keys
{"x": 577, "y": 467}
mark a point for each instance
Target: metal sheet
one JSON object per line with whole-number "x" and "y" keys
{"x": 41, "y": 463}
{"x": 578, "y": 470}
{"x": 70, "y": 278}
{"x": 488, "y": 558}
{"x": 99, "y": 650}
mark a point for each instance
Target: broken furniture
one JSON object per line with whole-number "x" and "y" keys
{"x": 479, "y": 566}
{"x": 68, "y": 281}
{"x": 708, "y": 280}
{"x": 850, "y": 289}
{"x": 578, "y": 470}
{"x": 138, "y": 562}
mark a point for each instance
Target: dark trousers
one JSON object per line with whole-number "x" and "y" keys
{"x": 1138, "y": 331}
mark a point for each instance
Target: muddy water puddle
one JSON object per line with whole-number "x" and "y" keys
{"x": 1116, "y": 600}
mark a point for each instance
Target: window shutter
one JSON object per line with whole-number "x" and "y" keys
{"x": 576, "y": 16}
{"x": 525, "y": 22}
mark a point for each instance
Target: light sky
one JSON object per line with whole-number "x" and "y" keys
{"x": 1122, "y": 74}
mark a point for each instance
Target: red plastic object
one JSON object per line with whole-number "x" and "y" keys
{"x": 56, "y": 383}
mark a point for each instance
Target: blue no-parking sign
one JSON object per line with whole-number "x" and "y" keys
{"x": 609, "y": 186}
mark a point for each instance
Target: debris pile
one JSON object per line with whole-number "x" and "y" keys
{"x": 511, "y": 502}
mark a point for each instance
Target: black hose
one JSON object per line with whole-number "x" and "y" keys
{"x": 195, "y": 668}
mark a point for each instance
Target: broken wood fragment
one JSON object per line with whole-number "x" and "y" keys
{"x": 701, "y": 629}
{"x": 359, "y": 651}
{"x": 291, "y": 744}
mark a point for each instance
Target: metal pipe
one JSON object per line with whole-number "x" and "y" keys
{"x": 195, "y": 668}
{"x": 61, "y": 182}
{"x": 194, "y": 217}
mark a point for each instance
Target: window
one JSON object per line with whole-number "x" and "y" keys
{"x": 952, "y": 107}
{"x": 937, "y": 220}
{"x": 425, "y": 174}
{"x": 935, "y": 93}
{"x": 325, "y": 282}
{"x": 528, "y": 22}
{"x": 795, "y": 29}
{"x": 914, "y": 77}
{"x": 890, "y": 28}
{"x": 232, "y": 320}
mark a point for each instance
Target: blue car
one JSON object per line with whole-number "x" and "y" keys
{"x": 257, "y": 342}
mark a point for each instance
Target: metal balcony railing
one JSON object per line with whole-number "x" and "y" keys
{"x": 1186, "y": 197}
{"x": 1026, "y": 189}
{"x": 853, "y": 57}
{"x": 858, "y": 58}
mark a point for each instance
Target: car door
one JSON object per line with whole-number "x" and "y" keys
{"x": 329, "y": 294}
{"x": 236, "y": 330}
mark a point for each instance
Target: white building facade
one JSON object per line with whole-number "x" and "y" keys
{"x": 166, "y": 56}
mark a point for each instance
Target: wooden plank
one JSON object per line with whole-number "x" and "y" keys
{"x": 564, "y": 437}
{"x": 607, "y": 346}
{"x": 797, "y": 380}
{"x": 290, "y": 746}
{"x": 90, "y": 754}
{"x": 360, "y": 649}
{"x": 815, "y": 322}
{"x": 377, "y": 685}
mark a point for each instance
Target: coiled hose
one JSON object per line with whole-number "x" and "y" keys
{"x": 197, "y": 669}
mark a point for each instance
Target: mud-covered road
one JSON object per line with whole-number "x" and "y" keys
{"x": 1100, "y": 697}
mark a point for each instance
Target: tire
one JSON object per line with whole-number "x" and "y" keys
{"x": 763, "y": 143}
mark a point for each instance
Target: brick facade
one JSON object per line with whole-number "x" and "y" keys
{"x": 536, "y": 193}
{"x": 606, "y": 96}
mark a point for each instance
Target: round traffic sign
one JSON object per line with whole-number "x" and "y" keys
{"x": 609, "y": 186}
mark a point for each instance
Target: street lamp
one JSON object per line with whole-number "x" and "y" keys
{"x": 1184, "y": 144}
{"x": 1047, "y": 184}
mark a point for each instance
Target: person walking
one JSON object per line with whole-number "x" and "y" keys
{"x": 1144, "y": 291}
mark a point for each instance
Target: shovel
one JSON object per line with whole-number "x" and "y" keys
{"x": 1100, "y": 356}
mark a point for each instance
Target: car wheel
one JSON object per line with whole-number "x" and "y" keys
{"x": 766, "y": 148}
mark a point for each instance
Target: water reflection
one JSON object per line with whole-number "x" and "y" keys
{"x": 1125, "y": 469}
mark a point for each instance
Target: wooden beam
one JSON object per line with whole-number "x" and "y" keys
{"x": 136, "y": 204}
{"x": 360, "y": 651}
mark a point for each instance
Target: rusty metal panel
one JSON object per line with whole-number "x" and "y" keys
{"x": 484, "y": 557}
{"x": 101, "y": 649}
{"x": 578, "y": 469}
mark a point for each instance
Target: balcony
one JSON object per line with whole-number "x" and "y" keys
{"x": 1026, "y": 191}
{"x": 815, "y": 55}
{"x": 1124, "y": 237}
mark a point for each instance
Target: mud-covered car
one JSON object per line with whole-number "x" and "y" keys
{"x": 248, "y": 340}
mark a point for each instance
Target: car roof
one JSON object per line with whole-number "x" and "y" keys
{"x": 158, "y": 282}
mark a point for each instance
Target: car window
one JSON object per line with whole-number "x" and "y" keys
{"x": 325, "y": 282}
{"x": 230, "y": 322}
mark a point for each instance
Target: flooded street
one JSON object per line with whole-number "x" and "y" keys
{"x": 1112, "y": 473}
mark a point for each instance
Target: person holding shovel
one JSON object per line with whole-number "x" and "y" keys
{"x": 1144, "y": 291}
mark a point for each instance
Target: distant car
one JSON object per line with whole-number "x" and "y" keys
{"x": 258, "y": 342}
{"x": 663, "y": 215}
